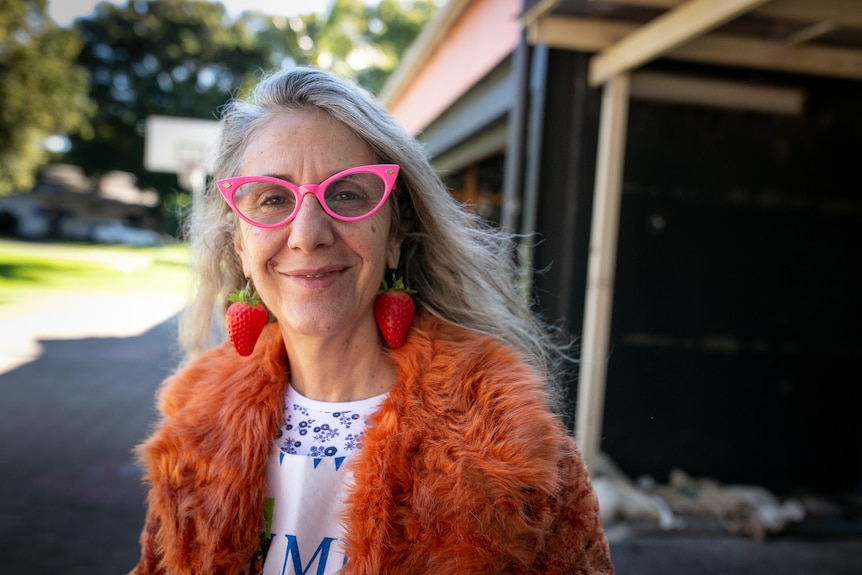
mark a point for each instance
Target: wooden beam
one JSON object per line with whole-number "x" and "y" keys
{"x": 539, "y": 9}
{"x": 714, "y": 93}
{"x": 581, "y": 34}
{"x": 595, "y": 337}
{"x": 666, "y": 33}
{"x": 645, "y": 3}
{"x": 842, "y": 12}
{"x": 759, "y": 54}
{"x": 719, "y": 49}
{"x": 809, "y": 33}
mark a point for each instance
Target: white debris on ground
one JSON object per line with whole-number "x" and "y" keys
{"x": 747, "y": 510}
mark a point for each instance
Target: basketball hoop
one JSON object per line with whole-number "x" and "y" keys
{"x": 182, "y": 146}
{"x": 193, "y": 177}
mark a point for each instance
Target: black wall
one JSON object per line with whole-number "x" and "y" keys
{"x": 736, "y": 347}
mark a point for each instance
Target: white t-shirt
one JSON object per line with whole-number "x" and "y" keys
{"x": 307, "y": 478}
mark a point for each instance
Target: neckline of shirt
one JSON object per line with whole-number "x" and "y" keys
{"x": 359, "y": 405}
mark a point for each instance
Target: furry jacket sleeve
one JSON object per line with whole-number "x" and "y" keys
{"x": 462, "y": 470}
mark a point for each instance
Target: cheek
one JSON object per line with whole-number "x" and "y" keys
{"x": 386, "y": 241}
{"x": 255, "y": 246}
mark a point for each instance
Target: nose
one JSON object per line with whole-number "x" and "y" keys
{"x": 312, "y": 227}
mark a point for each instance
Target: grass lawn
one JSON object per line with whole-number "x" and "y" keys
{"x": 30, "y": 271}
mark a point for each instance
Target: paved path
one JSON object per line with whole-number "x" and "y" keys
{"x": 78, "y": 316}
{"x": 76, "y": 397}
{"x": 78, "y": 381}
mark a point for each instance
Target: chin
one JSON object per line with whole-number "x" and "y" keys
{"x": 319, "y": 323}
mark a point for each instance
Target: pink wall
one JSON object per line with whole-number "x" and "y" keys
{"x": 486, "y": 33}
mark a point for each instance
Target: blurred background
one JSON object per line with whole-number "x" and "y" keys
{"x": 80, "y": 80}
{"x": 684, "y": 174}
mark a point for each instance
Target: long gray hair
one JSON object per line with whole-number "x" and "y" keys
{"x": 462, "y": 269}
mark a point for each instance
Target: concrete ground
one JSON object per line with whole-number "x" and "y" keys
{"x": 78, "y": 389}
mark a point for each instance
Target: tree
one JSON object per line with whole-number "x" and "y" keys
{"x": 164, "y": 57}
{"x": 366, "y": 41}
{"x": 42, "y": 90}
{"x": 188, "y": 57}
{"x": 394, "y": 25}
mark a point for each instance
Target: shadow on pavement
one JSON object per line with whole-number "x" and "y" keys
{"x": 71, "y": 499}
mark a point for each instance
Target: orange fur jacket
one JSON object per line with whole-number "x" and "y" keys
{"x": 462, "y": 469}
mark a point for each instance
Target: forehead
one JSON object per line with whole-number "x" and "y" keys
{"x": 304, "y": 143}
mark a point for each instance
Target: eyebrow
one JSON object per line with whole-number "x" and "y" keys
{"x": 288, "y": 179}
{"x": 279, "y": 177}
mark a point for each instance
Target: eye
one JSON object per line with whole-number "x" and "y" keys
{"x": 344, "y": 190}
{"x": 273, "y": 197}
{"x": 355, "y": 195}
{"x": 264, "y": 196}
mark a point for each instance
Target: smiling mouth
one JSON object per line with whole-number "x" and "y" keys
{"x": 316, "y": 274}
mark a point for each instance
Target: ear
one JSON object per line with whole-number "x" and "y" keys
{"x": 239, "y": 249}
{"x": 393, "y": 251}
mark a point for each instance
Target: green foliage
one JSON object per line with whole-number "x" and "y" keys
{"x": 42, "y": 91}
{"x": 187, "y": 58}
{"x": 165, "y": 57}
{"x": 365, "y": 42}
{"x": 394, "y": 25}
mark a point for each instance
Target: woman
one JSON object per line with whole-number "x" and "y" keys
{"x": 325, "y": 450}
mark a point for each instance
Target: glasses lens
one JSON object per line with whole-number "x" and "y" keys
{"x": 265, "y": 203}
{"x": 355, "y": 195}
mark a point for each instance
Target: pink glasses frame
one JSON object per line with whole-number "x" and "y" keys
{"x": 387, "y": 172}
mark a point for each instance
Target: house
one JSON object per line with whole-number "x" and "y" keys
{"x": 66, "y": 204}
{"x": 691, "y": 169}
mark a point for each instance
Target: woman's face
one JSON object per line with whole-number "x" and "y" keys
{"x": 317, "y": 275}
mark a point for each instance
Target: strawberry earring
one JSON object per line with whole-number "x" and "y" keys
{"x": 393, "y": 310}
{"x": 245, "y": 319}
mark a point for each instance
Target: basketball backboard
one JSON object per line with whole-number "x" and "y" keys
{"x": 179, "y": 145}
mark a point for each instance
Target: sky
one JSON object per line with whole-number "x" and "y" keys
{"x": 63, "y": 12}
